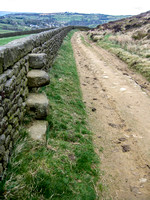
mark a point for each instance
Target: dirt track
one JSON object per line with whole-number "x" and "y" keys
{"x": 119, "y": 116}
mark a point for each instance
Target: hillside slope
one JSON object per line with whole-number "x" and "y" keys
{"x": 129, "y": 39}
{"x": 128, "y": 23}
{"x": 25, "y": 21}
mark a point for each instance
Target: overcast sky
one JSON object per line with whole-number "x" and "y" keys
{"x": 112, "y": 7}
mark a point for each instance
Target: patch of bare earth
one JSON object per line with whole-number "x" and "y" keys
{"x": 118, "y": 105}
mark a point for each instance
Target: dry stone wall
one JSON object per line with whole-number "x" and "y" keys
{"x": 14, "y": 67}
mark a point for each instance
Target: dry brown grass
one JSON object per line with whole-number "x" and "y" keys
{"x": 134, "y": 41}
{"x": 132, "y": 46}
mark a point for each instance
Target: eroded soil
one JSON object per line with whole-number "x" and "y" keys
{"x": 118, "y": 105}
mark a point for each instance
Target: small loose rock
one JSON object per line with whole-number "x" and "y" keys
{"x": 122, "y": 139}
{"x": 112, "y": 125}
{"x": 126, "y": 148}
{"x": 93, "y": 109}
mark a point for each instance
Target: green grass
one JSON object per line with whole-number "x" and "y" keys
{"x": 107, "y": 44}
{"x": 66, "y": 167}
{"x": 5, "y": 31}
{"x": 85, "y": 42}
{"x": 6, "y": 40}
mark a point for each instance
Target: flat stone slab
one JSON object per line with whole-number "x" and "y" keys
{"x": 38, "y": 78}
{"x": 37, "y": 60}
{"x": 37, "y": 105}
{"x": 37, "y": 130}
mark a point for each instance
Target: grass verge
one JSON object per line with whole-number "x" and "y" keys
{"x": 85, "y": 42}
{"x": 134, "y": 61}
{"x": 66, "y": 167}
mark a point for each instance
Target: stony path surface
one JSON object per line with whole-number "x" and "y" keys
{"x": 119, "y": 116}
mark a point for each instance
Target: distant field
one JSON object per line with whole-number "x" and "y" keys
{"x": 4, "y": 41}
{"x": 5, "y": 31}
{"x": 28, "y": 21}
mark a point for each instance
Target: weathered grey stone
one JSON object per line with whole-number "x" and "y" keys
{"x": 18, "y": 87}
{"x": 1, "y": 88}
{"x": 25, "y": 82}
{"x": 25, "y": 94}
{"x": 22, "y": 62}
{"x": 37, "y": 61}
{"x": 7, "y": 141}
{"x": 17, "y": 112}
{"x": 16, "y": 98}
{"x": 4, "y": 123}
{"x": 16, "y": 69}
{"x": 12, "y": 95}
{"x": 3, "y": 78}
{"x": 1, "y": 69}
{"x": 27, "y": 67}
{"x": 34, "y": 90}
{"x": 1, "y": 113}
{"x": 9, "y": 73}
{"x": 9, "y": 86}
{"x": 14, "y": 121}
{"x": 21, "y": 115}
{"x": 12, "y": 110}
{"x": 37, "y": 105}
{"x": 2, "y": 139}
{"x": 2, "y": 152}
{"x": 21, "y": 91}
{"x": 15, "y": 135}
{"x": 18, "y": 79}
{"x": 1, "y": 59}
{"x": 15, "y": 50}
{"x": 22, "y": 72}
{"x": 20, "y": 101}
{"x": 10, "y": 146}
{"x": 8, "y": 130}
{"x": 6, "y": 158}
{"x": 11, "y": 119}
{"x": 22, "y": 83}
{"x": 23, "y": 105}
{"x": 37, "y": 130}
{"x": 7, "y": 104}
{"x": 1, "y": 170}
{"x": 38, "y": 78}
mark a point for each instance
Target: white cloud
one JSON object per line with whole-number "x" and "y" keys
{"x": 115, "y": 7}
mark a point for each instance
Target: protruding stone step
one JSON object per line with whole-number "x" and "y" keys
{"x": 37, "y": 78}
{"x": 37, "y": 130}
{"x": 37, "y": 60}
{"x": 37, "y": 105}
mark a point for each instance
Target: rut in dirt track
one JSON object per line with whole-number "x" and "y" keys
{"x": 119, "y": 117}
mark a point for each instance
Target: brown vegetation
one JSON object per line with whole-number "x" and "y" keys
{"x": 129, "y": 39}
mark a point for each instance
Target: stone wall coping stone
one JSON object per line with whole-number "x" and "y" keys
{"x": 15, "y": 50}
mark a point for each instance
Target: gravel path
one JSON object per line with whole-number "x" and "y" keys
{"x": 118, "y": 105}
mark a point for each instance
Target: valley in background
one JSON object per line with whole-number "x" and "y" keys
{"x": 28, "y": 21}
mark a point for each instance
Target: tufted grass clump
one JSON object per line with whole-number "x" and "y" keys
{"x": 66, "y": 167}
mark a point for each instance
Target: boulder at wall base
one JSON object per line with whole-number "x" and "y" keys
{"x": 37, "y": 105}
{"x": 37, "y": 78}
{"x": 37, "y": 130}
{"x": 37, "y": 60}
